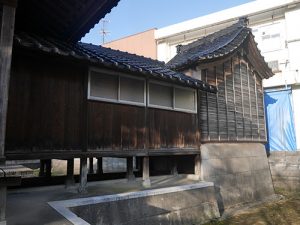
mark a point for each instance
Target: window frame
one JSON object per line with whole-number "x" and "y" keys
{"x": 173, "y": 108}
{"x": 118, "y": 100}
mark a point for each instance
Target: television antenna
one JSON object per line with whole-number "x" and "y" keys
{"x": 103, "y": 30}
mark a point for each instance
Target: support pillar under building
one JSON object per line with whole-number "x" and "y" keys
{"x": 70, "y": 181}
{"x": 174, "y": 169}
{"x": 100, "y": 166}
{"x": 83, "y": 175}
{"x": 129, "y": 174}
{"x": 91, "y": 165}
{"x": 146, "y": 172}
{"x": 198, "y": 166}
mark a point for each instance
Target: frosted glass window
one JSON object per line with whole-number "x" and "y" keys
{"x": 104, "y": 86}
{"x": 160, "y": 95}
{"x": 185, "y": 99}
{"x": 132, "y": 90}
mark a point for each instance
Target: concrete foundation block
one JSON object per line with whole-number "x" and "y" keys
{"x": 240, "y": 172}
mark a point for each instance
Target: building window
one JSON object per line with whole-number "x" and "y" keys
{"x": 132, "y": 90}
{"x": 172, "y": 97}
{"x": 104, "y": 86}
{"x": 160, "y": 95}
{"x": 109, "y": 87}
{"x": 120, "y": 88}
{"x": 274, "y": 65}
{"x": 185, "y": 99}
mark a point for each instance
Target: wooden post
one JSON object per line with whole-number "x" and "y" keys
{"x": 146, "y": 172}
{"x": 198, "y": 165}
{"x": 7, "y": 23}
{"x": 2, "y": 205}
{"x": 99, "y": 166}
{"x": 91, "y": 165}
{"x": 138, "y": 163}
{"x": 70, "y": 173}
{"x": 48, "y": 165}
{"x": 83, "y": 175}
{"x": 130, "y": 175}
{"x": 174, "y": 170}
{"x": 42, "y": 168}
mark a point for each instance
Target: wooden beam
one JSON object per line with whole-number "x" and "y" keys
{"x": 3, "y": 191}
{"x": 7, "y": 23}
{"x": 129, "y": 174}
{"x": 64, "y": 154}
{"x": 12, "y": 3}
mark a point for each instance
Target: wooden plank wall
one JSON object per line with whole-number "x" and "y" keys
{"x": 46, "y": 112}
{"x": 124, "y": 127}
{"x": 45, "y": 106}
{"x": 236, "y": 113}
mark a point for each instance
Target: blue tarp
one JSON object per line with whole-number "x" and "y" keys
{"x": 280, "y": 120}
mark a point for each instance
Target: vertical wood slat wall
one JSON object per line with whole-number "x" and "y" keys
{"x": 236, "y": 112}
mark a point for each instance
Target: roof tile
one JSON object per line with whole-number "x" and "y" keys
{"x": 107, "y": 56}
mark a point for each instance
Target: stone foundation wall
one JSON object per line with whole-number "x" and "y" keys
{"x": 240, "y": 172}
{"x": 285, "y": 170}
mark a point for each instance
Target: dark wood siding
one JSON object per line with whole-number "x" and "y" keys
{"x": 169, "y": 129}
{"x": 115, "y": 126}
{"x": 45, "y": 106}
{"x": 236, "y": 112}
{"x": 49, "y": 114}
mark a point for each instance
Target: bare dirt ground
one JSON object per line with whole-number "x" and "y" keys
{"x": 283, "y": 212}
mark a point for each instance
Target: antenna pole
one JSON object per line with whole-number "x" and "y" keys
{"x": 103, "y": 30}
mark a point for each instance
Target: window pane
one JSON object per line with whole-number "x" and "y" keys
{"x": 185, "y": 99}
{"x": 160, "y": 95}
{"x": 132, "y": 89}
{"x": 104, "y": 86}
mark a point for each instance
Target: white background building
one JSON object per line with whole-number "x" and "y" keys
{"x": 276, "y": 26}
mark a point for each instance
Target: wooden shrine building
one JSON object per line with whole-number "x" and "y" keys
{"x": 74, "y": 100}
{"x": 63, "y": 99}
{"x": 232, "y": 121}
{"x": 230, "y": 60}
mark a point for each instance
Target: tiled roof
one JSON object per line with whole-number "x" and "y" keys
{"x": 64, "y": 19}
{"x": 212, "y": 46}
{"x": 109, "y": 58}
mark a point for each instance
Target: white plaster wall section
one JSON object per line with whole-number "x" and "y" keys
{"x": 260, "y": 12}
{"x": 63, "y": 207}
{"x": 235, "y": 12}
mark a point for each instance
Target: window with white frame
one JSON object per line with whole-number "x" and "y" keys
{"x": 167, "y": 96}
{"x": 160, "y": 95}
{"x": 120, "y": 88}
{"x": 185, "y": 99}
{"x": 116, "y": 88}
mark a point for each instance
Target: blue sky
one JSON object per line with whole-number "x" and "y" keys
{"x": 133, "y": 16}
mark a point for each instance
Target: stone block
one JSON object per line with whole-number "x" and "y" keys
{"x": 278, "y": 154}
{"x": 240, "y": 171}
{"x": 259, "y": 163}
